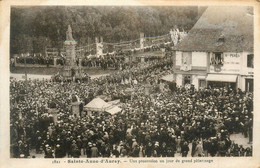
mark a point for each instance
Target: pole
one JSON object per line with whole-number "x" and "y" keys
{"x": 25, "y": 69}
{"x": 26, "y": 82}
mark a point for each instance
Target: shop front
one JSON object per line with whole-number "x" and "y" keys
{"x": 221, "y": 80}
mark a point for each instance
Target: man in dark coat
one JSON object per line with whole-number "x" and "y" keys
{"x": 88, "y": 150}
{"x": 185, "y": 149}
{"x": 164, "y": 150}
{"x": 59, "y": 152}
{"x": 94, "y": 151}
{"x": 149, "y": 150}
{"x": 48, "y": 152}
{"x": 75, "y": 152}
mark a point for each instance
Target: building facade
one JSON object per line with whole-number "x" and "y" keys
{"x": 218, "y": 51}
{"x": 215, "y": 69}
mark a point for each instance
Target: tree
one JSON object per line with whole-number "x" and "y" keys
{"x": 33, "y": 28}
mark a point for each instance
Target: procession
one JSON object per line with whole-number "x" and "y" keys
{"x": 161, "y": 124}
{"x": 165, "y": 98}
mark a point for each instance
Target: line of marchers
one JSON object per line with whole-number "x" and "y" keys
{"x": 93, "y": 161}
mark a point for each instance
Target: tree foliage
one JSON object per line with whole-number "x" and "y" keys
{"x": 34, "y": 28}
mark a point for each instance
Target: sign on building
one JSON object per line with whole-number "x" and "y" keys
{"x": 227, "y": 63}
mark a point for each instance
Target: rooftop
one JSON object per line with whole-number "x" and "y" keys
{"x": 221, "y": 29}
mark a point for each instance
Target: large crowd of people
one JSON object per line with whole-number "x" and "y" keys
{"x": 37, "y": 59}
{"x": 157, "y": 123}
{"x": 115, "y": 61}
{"x": 104, "y": 63}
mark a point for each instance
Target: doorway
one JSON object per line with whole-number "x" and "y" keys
{"x": 249, "y": 83}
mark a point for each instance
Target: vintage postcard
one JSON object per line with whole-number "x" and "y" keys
{"x": 130, "y": 84}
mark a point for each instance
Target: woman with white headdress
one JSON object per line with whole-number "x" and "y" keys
{"x": 198, "y": 150}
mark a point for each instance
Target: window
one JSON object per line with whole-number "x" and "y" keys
{"x": 186, "y": 61}
{"x": 186, "y": 58}
{"x": 249, "y": 83}
{"x": 217, "y": 59}
{"x": 187, "y": 79}
{"x": 250, "y": 60}
{"x": 202, "y": 83}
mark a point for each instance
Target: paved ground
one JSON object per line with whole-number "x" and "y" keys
{"x": 35, "y": 70}
{"x": 29, "y": 76}
{"x": 240, "y": 140}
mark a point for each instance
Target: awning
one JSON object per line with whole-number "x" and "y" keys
{"x": 96, "y": 104}
{"x": 114, "y": 102}
{"x": 114, "y": 110}
{"x": 201, "y": 77}
{"x": 221, "y": 78}
{"x": 168, "y": 78}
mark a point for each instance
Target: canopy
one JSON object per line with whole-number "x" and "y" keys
{"x": 114, "y": 110}
{"x": 168, "y": 78}
{"x": 222, "y": 78}
{"x": 114, "y": 102}
{"x": 96, "y": 104}
{"x": 201, "y": 77}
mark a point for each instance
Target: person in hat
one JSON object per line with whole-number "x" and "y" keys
{"x": 88, "y": 150}
{"x": 164, "y": 150}
{"x": 79, "y": 144}
{"x": 22, "y": 156}
{"x": 21, "y": 148}
{"x": 199, "y": 150}
{"x": 106, "y": 152}
{"x": 26, "y": 150}
{"x": 94, "y": 151}
{"x": 134, "y": 143}
{"x": 59, "y": 152}
{"x": 115, "y": 152}
{"x": 178, "y": 144}
{"x": 194, "y": 145}
{"x": 156, "y": 150}
{"x": 68, "y": 146}
{"x": 185, "y": 149}
{"x": 75, "y": 152}
{"x": 48, "y": 152}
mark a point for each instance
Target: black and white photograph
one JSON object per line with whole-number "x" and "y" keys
{"x": 131, "y": 81}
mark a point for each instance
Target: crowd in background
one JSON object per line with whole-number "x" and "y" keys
{"x": 154, "y": 124}
{"x": 115, "y": 61}
{"x": 38, "y": 59}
